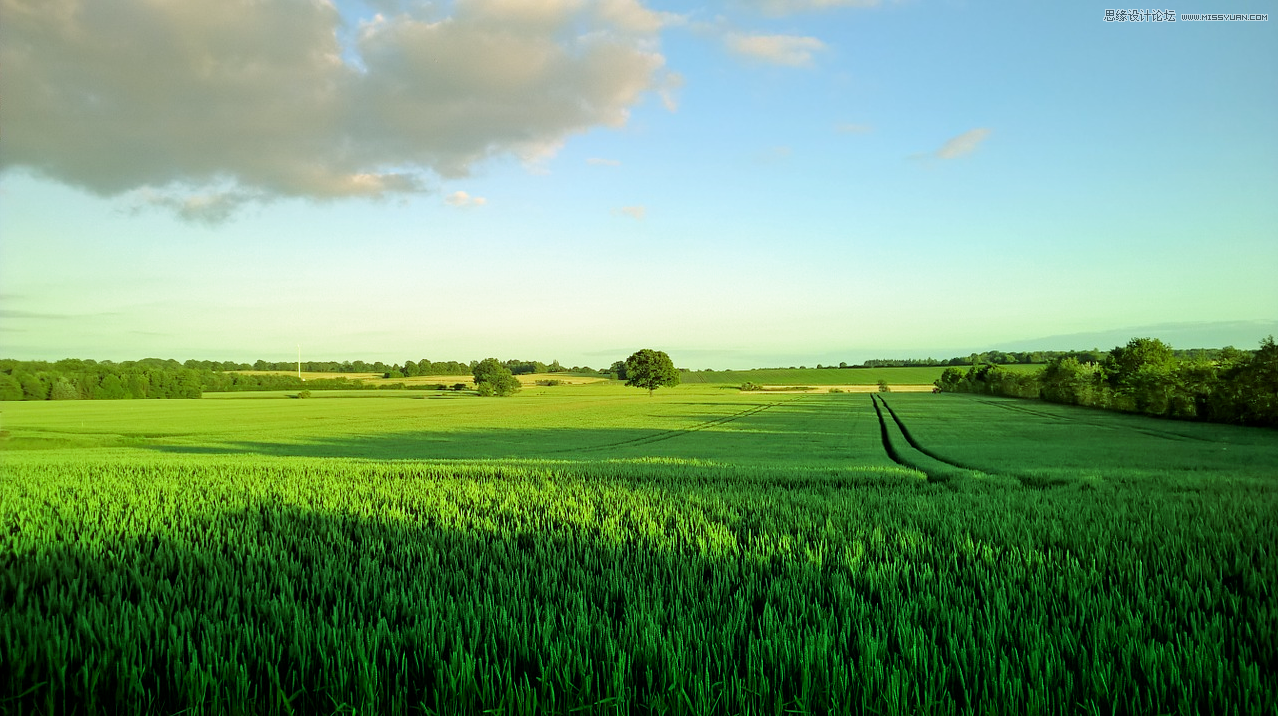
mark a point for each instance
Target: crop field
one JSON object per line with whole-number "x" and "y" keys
{"x": 590, "y": 549}
{"x": 377, "y": 379}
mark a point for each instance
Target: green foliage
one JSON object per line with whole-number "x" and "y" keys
{"x": 10, "y": 388}
{"x": 34, "y": 387}
{"x": 63, "y": 389}
{"x": 1145, "y": 376}
{"x": 883, "y": 386}
{"x": 749, "y": 386}
{"x": 618, "y": 370}
{"x": 650, "y": 370}
{"x": 653, "y": 577}
{"x": 304, "y": 394}
{"x": 550, "y": 382}
{"x": 111, "y": 388}
{"x": 492, "y": 377}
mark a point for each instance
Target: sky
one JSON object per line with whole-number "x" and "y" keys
{"x": 742, "y": 183}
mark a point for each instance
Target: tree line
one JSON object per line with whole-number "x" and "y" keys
{"x": 1145, "y": 376}
{"x": 86, "y": 379}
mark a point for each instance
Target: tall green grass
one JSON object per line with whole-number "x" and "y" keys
{"x": 649, "y": 576}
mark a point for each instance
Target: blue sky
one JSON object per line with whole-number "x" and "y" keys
{"x": 744, "y": 183}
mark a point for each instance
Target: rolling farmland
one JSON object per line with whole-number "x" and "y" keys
{"x": 589, "y": 549}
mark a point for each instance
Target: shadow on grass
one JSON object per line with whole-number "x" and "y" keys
{"x": 787, "y": 450}
{"x": 496, "y": 443}
{"x": 416, "y": 611}
{"x": 776, "y": 434}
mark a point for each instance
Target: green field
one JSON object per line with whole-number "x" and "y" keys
{"x": 588, "y": 549}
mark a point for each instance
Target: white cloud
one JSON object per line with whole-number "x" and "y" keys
{"x": 600, "y": 162}
{"x": 210, "y": 206}
{"x": 633, "y": 16}
{"x": 668, "y": 90}
{"x": 462, "y": 199}
{"x": 787, "y": 50}
{"x": 186, "y": 99}
{"x": 635, "y": 212}
{"x": 965, "y": 143}
{"x": 786, "y": 7}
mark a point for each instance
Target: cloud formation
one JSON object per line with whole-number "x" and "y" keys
{"x": 786, "y": 7}
{"x": 208, "y": 106}
{"x": 963, "y": 144}
{"x": 462, "y": 199}
{"x": 786, "y": 50}
{"x": 634, "y": 212}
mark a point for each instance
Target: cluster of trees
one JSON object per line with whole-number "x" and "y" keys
{"x": 515, "y": 366}
{"x": 492, "y": 377}
{"x": 1094, "y": 355}
{"x": 995, "y": 357}
{"x": 1146, "y": 376}
{"x": 647, "y": 369}
{"x": 75, "y": 379}
{"x": 409, "y": 368}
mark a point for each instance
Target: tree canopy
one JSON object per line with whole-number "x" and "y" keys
{"x": 494, "y": 378}
{"x": 1146, "y": 376}
{"x": 650, "y": 369}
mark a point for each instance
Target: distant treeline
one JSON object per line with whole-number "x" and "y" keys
{"x": 1145, "y": 376}
{"x": 1094, "y": 355}
{"x": 408, "y": 369}
{"x": 76, "y": 379}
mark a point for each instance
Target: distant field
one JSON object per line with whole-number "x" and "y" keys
{"x": 591, "y": 549}
{"x": 377, "y": 379}
{"x": 767, "y": 376}
{"x": 830, "y": 376}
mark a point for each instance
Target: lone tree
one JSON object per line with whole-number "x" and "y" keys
{"x": 651, "y": 369}
{"x": 493, "y": 378}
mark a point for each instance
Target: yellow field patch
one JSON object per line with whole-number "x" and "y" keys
{"x": 907, "y": 388}
{"x": 449, "y": 380}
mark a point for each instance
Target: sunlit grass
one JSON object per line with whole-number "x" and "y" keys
{"x": 697, "y": 552}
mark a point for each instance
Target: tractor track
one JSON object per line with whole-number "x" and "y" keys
{"x": 1166, "y": 435}
{"x": 942, "y": 475}
{"x": 892, "y": 454}
{"x": 915, "y": 443}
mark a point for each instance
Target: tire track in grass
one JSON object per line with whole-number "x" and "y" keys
{"x": 892, "y": 454}
{"x": 1166, "y": 435}
{"x": 937, "y": 474}
{"x": 669, "y": 434}
{"x": 965, "y": 469}
{"x": 915, "y": 443}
